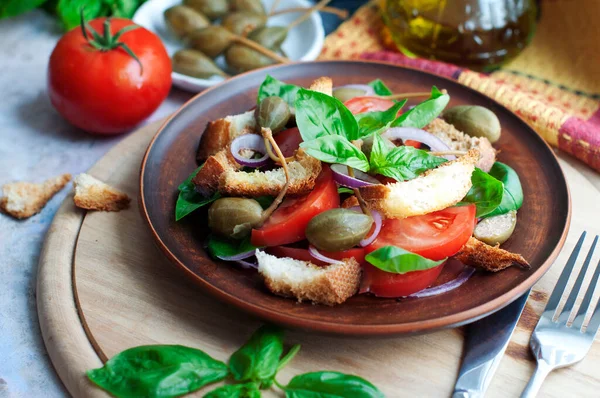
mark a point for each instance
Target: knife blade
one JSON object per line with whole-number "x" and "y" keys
{"x": 485, "y": 344}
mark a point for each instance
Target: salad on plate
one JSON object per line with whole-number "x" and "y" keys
{"x": 332, "y": 192}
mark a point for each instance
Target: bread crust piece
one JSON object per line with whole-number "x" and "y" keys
{"x": 433, "y": 190}
{"x": 219, "y": 133}
{"x": 306, "y": 281}
{"x": 93, "y": 194}
{"x": 322, "y": 85}
{"x": 207, "y": 178}
{"x": 490, "y": 258}
{"x": 459, "y": 141}
{"x": 303, "y": 174}
{"x": 24, "y": 199}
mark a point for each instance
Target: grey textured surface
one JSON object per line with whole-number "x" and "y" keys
{"x": 35, "y": 144}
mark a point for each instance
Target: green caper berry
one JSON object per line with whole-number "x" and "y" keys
{"x": 273, "y": 113}
{"x": 234, "y": 217}
{"x": 338, "y": 229}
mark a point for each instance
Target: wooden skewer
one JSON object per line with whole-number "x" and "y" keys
{"x": 307, "y": 14}
{"x": 273, "y": 7}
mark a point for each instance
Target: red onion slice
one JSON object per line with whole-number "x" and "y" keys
{"x": 253, "y": 142}
{"x": 315, "y": 253}
{"x": 446, "y": 287}
{"x": 247, "y": 264}
{"x": 411, "y": 133}
{"x": 238, "y": 257}
{"x": 377, "y": 219}
{"x": 340, "y": 175}
{"x": 365, "y": 87}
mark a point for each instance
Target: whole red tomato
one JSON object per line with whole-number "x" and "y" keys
{"x": 108, "y": 86}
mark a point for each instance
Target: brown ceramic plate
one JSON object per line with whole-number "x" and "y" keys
{"x": 539, "y": 235}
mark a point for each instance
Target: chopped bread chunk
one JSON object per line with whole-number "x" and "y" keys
{"x": 323, "y": 85}
{"x": 303, "y": 280}
{"x": 303, "y": 174}
{"x": 459, "y": 141}
{"x": 219, "y": 133}
{"x": 24, "y": 199}
{"x": 433, "y": 190}
{"x": 490, "y": 258}
{"x": 93, "y": 194}
{"x": 207, "y": 179}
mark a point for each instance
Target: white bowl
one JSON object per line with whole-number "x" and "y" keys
{"x": 304, "y": 42}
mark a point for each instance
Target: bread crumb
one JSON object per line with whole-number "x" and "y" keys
{"x": 24, "y": 199}
{"x": 93, "y": 194}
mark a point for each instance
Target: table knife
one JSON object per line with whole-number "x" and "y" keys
{"x": 485, "y": 344}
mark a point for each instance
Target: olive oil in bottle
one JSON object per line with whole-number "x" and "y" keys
{"x": 478, "y": 34}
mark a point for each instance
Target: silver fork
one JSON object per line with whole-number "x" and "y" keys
{"x": 554, "y": 344}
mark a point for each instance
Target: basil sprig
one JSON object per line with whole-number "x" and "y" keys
{"x": 380, "y": 88}
{"x": 400, "y": 163}
{"x": 272, "y": 87}
{"x": 158, "y": 371}
{"x": 486, "y": 192}
{"x": 223, "y": 247}
{"x": 396, "y": 260}
{"x": 336, "y": 149}
{"x": 189, "y": 200}
{"x": 512, "y": 198}
{"x": 374, "y": 122}
{"x": 165, "y": 371}
{"x": 422, "y": 114}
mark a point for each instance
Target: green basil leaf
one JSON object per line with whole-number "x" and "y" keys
{"x": 289, "y": 356}
{"x": 258, "y": 359}
{"x": 12, "y": 8}
{"x": 486, "y": 192}
{"x": 336, "y": 149}
{"x": 272, "y": 87}
{"x": 223, "y": 247}
{"x": 123, "y": 8}
{"x": 422, "y": 114}
{"x": 68, "y": 11}
{"x": 247, "y": 390}
{"x": 513, "y": 192}
{"x": 189, "y": 200}
{"x": 400, "y": 163}
{"x": 328, "y": 384}
{"x": 399, "y": 261}
{"x": 343, "y": 190}
{"x": 158, "y": 371}
{"x": 371, "y": 122}
{"x": 380, "y": 88}
{"x": 319, "y": 115}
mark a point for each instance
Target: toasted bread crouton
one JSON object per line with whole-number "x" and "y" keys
{"x": 433, "y": 190}
{"x": 303, "y": 174}
{"x": 459, "y": 141}
{"x": 219, "y": 133}
{"x": 322, "y": 85}
{"x": 490, "y": 258}
{"x": 93, "y": 194}
{"x": 24, "y": 199}
{"x": 207, "y": 179}
{"x": 304, "y": 280}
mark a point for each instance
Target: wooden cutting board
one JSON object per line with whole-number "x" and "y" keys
{"x": 104, "y": 287}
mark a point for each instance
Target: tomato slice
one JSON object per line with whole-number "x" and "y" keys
{"x": 413, "y": 143}
{"x": 289, "y": 141}
{"x": 358, "y": 105}
{"x": 297, "y": 253}
{"x": 386, "y": 284}
{"x": 435, "y": 236}
{"x": 288, "y": 223}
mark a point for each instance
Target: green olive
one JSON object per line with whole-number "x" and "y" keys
{"x": 196, "y": 64}
{"x": 338, "y": 229}
{"x": 213, "y": 9}
{"x": 212, "y": 40}
{"x": 496, "y": 229}
{"x": 242, "y": 22}
{"x": 255, "y": 6}
{"x": 273, "y": 113}
{"x": 345, "y": 93}
{"x": 271, "y": 37}
{"x": 183, "y": 20}
{"x": 241, "y": 58}
{"x": 367, "y": 144}
{"x": 234, "y": 217}
{"x": 474, "y": 120}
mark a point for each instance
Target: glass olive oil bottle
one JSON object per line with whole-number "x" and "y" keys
{"x": 478, "y": 34}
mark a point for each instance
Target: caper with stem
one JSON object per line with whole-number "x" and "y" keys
{"x": 234, "y": 217}
{"x": 183, "y": 20}
{"x": 242, "y": 22}
{"x": 474, "y": 120}
{"x": 496, "y": 230}
{"x": 213, "y": 9}
{"x": 241, "y": 58}
{"x": 212, "y": 40}
{"x": 271, "y": 37}
{"x": 194, "y": 63}
{"x": 338, "y": 229}
{"x": 273, "y": 113}
{"x": 254, "y": 6}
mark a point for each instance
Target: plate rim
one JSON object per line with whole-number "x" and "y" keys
{"x": 415, "y": 327}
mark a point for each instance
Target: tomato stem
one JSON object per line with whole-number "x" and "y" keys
{"x": 108, "y": 41}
